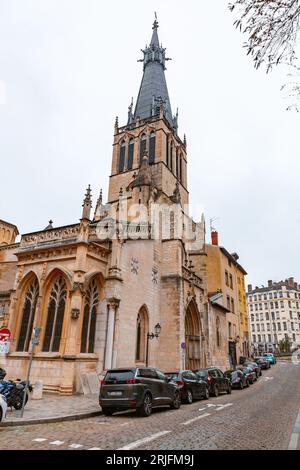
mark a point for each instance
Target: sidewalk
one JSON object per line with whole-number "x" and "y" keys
{"x": 52, "y": 408}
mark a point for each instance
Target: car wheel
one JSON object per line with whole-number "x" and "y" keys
{"x": 189, "y": 397}
{"x": 175, "y": 405}
{"x": 1, "y": 414}
{"x": 108, "y": 411}
{"x": 206, "y": 395}
{"x": 241, "y": 385}
{"x": 229, "y": 389}
{"x": 146, "y": 408}
{"x": 216, "y": 391}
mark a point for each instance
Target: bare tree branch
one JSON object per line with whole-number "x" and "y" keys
{"x": 271, "y": 26}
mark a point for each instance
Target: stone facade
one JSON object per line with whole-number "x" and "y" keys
{"x": 100, "y": 287}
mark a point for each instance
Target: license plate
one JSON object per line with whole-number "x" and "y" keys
{"x": 115, "y": 394}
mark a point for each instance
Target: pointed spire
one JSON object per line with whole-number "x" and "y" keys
{"x": 184, "y": 140}
{"x": 97, "y": 213}
{"x": 117, "y": 125}
{"x": 87, "y": 204}
{"x": 130, "y": 113}
{"x": 153, "y": 90}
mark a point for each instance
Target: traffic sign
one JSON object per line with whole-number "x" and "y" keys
{"x": 183, "y": 345}
{"x": 5, "y": 334}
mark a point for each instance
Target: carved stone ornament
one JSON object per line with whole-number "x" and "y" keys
{"x": 75, "y": 312}
{"x": 134, "y": 265}
{"x": 154, "y": 276}
{"x": 79, "y": 286}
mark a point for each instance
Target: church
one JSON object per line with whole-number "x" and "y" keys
{"x": 125, "y": 285}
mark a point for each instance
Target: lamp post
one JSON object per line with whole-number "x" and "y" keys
{"x": 152, "y": 335}
{"x": 37, "y": 330}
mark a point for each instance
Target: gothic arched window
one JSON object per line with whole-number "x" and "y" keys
{"x": 152, "y": 147}
{"x": 55, "y": 315}
{"x": 177, "y": 163}
{"x": 29, "y": 306}
{"x": 218, "y": 332}
{"x": 167, "y": 151}
{"x": 122, "y": 156}
{"x": 141, "y": 335}
{"x": 89, "y": 318}
{"x": 180, "y": 167}
{"x": 171, "y": 156}
{"x": 130, "y": 154}
{"x": 143, "y": 146}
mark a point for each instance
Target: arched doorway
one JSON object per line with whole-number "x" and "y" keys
{"x": 142, "y": 329}
{"x": 192, "y": 337}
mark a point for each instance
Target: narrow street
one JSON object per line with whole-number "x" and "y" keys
{"x": 261, "y": 417}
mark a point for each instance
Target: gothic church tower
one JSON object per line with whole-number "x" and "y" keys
{"x": 150, "y": 128}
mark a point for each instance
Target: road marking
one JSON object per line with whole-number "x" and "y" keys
{"x": 268, "y": 378}
{"x": 75, "y": 446}
{"x": 210, "y": 404}
{"x": 40, "y": 439}
{"x": 223, "y": 406}
{"x": 196, "y": 419}
{"x": 57, "y": 443}
{"x": 138, "y": 443}
{"x": 95, "y": 448}
{"x": 202, "y": 409}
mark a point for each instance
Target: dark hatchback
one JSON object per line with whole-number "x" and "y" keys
{"x": 250, "y": 374}
{"x": 237, "y": 379}
{"x": 140, "y": 388}
{"x": 215, "y": 379}
{"x": 191, "y": 387}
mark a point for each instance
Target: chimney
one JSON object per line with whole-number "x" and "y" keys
{"x": 270, "y": 282}
{"x": 214, "y": 238}
{"x": 290, "y": 281}
{"x": 249, "y": 287}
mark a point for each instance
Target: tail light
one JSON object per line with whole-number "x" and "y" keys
{"x": 133, "y": 381}
{"x": 209, "y": 378}
{"x": 102, "y": 382}
{"x": 180, "y": 383}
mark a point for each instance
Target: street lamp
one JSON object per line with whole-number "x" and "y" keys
{"x": 152, "y": 335}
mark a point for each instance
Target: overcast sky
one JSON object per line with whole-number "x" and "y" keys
{"x": 68, "y": 67}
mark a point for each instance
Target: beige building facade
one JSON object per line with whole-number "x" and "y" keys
{"x": 226, "y": 275}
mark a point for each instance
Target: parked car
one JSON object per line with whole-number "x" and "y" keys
{"x": 270, "y": 357}
{"x": 191, "y": 387}
{"x": 250, "y": 374}
{"x": 140, "y": 388}
{"x": 262, "y": 362}
{"x": 215, "y": 379}
{"x": 237, "y": 378}
{"x": 256, "y": 367}
{"x": 3, "y": 407}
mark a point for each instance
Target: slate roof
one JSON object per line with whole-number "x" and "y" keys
{"x": 153, "y": 87}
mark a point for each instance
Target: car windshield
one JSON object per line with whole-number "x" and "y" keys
{"x": 246, "y": 370}
{"x": 201, "y": 373}
{"x": 228, "y": 373}
{"x": 172, "y": 375}
{"x": 119, "y": 376}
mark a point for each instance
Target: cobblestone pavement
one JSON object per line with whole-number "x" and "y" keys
{"x": 54, "y": 406}
{"x": 261, "y": 417}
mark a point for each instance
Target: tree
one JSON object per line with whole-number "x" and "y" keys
{"x": 285, "y": 345}
{"x": 272, "y": 28}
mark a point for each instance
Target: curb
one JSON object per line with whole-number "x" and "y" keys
{"x": 53, "y": 419}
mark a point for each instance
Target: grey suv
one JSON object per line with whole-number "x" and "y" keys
{"x": 140, "y": 388}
